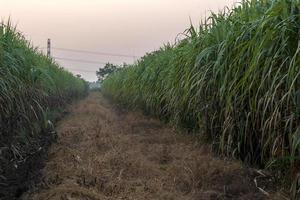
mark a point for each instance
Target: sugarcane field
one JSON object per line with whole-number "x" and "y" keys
{"x": 150, "y": 100}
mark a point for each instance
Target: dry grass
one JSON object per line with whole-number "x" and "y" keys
{"x": 104, "y": 154}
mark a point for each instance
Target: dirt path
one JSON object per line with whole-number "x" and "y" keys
{"x": 104, "y": 154}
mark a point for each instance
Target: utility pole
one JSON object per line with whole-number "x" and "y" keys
{"x": 48, "y": 48}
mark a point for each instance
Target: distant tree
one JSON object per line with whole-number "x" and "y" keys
{"x": 106, "y": 70}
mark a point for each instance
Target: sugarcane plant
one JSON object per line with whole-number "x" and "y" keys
{"x": 234, "y": 80}
{"x": 32, "y": 89}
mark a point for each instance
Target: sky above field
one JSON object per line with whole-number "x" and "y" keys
{"x": 122, "y": 27}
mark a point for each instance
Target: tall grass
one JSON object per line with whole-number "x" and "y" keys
{"x": 31, "y": 88}
{"x": 235, "y": 79}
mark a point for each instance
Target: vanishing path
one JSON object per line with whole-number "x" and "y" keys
{"x": 103, "y": 153}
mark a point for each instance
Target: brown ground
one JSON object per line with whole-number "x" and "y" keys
{"x": 103, "y": 153}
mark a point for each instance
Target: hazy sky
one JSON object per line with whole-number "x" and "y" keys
{"x": 131, "y": 27}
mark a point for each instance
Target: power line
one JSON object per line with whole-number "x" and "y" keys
{"x": 80, "y": 70}
{"x": 92, "y": 52}
{"x": 80, "y": 60}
